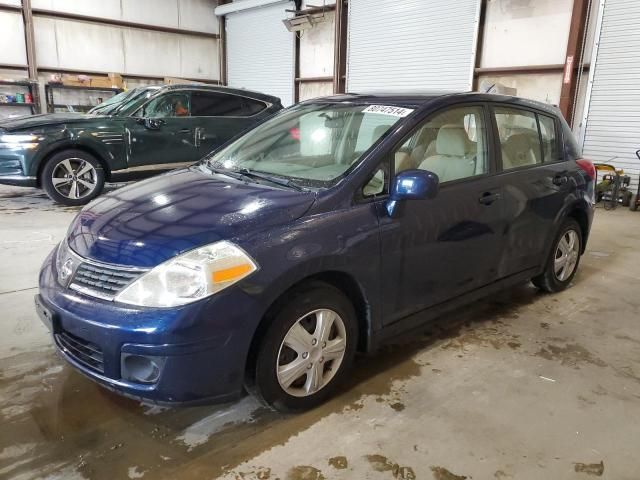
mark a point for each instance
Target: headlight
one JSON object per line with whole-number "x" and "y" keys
{"x": 66, "y": 263}
{"x": 18, "y": 138}
{"x": 19, "y": 142}
{"x": 190, "y": 276}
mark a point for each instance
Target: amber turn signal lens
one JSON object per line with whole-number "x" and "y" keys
{"x": 231, "y": 273}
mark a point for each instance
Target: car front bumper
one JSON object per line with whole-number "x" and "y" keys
{"x": 13, "y": 165}
{"x": 203, "y": 346}
{"x": 18, "y": 180}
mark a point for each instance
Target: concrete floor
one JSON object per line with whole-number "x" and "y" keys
{"x": 521, "y": 385}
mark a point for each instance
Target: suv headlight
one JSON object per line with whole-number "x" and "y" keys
{"x": 19, "y": 141}
{"x": 190, "y": 276}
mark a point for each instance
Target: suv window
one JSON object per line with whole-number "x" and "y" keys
{"x": 212, "y": 104}
{"x": 519, "y": 138}
{"x": 452, "y": 144}
{"x": 169, "y": 105}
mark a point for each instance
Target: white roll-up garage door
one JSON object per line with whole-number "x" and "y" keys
{"x": 612, "y": 126}
{"x": 411, "y": 45}
{"x": 260, "y": 51}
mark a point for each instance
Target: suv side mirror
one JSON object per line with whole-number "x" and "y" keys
{"x": 151, "y": 123}
{"x": 412, "y": 185}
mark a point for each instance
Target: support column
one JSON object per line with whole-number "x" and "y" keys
{"x": 340, "y": 48}
{"x": 29, "y": 40}
{"x": 572, "y": 59}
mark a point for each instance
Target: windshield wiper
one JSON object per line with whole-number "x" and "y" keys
{"x": 270, "y": 178}
{"x": 229, "y": 173}
{"x": 245, "y": 173}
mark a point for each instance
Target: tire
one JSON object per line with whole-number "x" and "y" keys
{"x": 303, "y": 310}
{"x": 553, "y": 281}
{"x": 626, "y": 198}
{"x": 72, "y": 177}
{"x": 633, "y": 203}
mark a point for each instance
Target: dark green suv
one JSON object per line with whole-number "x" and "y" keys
{"x": 135, "y": 134}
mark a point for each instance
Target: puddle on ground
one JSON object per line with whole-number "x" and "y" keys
{"x": 596, "y": 469}
{"x": 441, "y": 473}
{"x": 339, "y": 463}
{"x": 571, "y": 354}
{"x": 55, "y": 422}
{"x": 380, "y": 463}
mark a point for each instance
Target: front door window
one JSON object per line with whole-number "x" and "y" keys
{"x": 452, "y": 144}
{"x": 170, "y": 105}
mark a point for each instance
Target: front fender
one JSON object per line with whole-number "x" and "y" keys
{"x": 344, "y": 242}
{"x": 109, "y": 150}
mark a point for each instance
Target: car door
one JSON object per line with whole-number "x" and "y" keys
{"x": 535, "y": 181}
{"x": 221, "y": 116}
{"x": 162, "y": 134}
{"x": 435, "y": 250}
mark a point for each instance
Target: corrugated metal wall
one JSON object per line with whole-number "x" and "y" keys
{"x": 411, "y": 45}
{"x": 91, "y": 46}
{"x": 260, "y": 51}
{"x": 12, "y": 34}
{"x": 612, "y": 129}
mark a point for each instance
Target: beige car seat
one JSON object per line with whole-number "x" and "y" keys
{"x": 423, "y": 148}
{"x": 521, "y": 148}
{"x": 452, "y": 159}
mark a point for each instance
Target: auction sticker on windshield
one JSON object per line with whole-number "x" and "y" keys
{"x": 388, "y": 110}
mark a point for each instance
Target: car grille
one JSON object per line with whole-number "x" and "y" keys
{"x": 84, "y": 352}
{"x": 102, "y": 281}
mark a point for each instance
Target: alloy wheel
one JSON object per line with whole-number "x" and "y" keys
{"x": 311, "y": 353}
{"x": 567, "y": 254}
{"x": 74, "y": 178}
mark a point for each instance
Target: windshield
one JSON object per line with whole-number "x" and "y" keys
{"x": 312, "y": 144}
{"x": 122, "y": 100}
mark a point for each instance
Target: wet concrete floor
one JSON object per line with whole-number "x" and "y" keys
{"x": 520, "y": 385}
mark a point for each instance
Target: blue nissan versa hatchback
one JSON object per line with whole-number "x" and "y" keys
{"x": 329, "y": 228}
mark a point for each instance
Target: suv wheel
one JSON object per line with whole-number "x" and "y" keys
{"x": 72, "y": 177}
{"x": 307, "y": 350}
{"x": 563, "y": 262}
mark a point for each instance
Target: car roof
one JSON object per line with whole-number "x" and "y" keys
{"x": 423, "y": 99}
{"x": 221, "y": 89}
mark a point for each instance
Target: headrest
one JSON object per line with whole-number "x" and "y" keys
{"x": 452, "y": 140}
{"x": 379, "y": 131}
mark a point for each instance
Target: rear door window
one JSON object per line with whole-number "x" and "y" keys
{"x": 526, "y": 138}
{"x": 519, "y": 138}
{"x": 213, "y": 104}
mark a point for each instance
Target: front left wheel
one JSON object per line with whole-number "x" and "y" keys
{"x": 72, "y": 177}
{"x": 307, "y": 350}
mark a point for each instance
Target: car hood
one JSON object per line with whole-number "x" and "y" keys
{"x": 34, "y": 121}
{"x": 144, "y": 224}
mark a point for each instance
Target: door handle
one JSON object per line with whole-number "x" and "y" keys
{"x": 560, "y": 179}
{"x": 199, "y": 136}
{"x": 487, "y": 198}
{"x": 184, "y": 130}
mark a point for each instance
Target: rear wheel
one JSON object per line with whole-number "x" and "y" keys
{"x": 307, "y": 350}
{"x": 563, "y": 262}
{"x": 72, "y": 177}
{"x": 633, "y": 203}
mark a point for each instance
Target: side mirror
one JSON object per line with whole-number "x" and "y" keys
{"x": 151, "y": 123}
{"x": 412, "y": 185}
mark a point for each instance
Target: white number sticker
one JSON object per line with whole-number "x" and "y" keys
{"x": 388, "y": 110}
